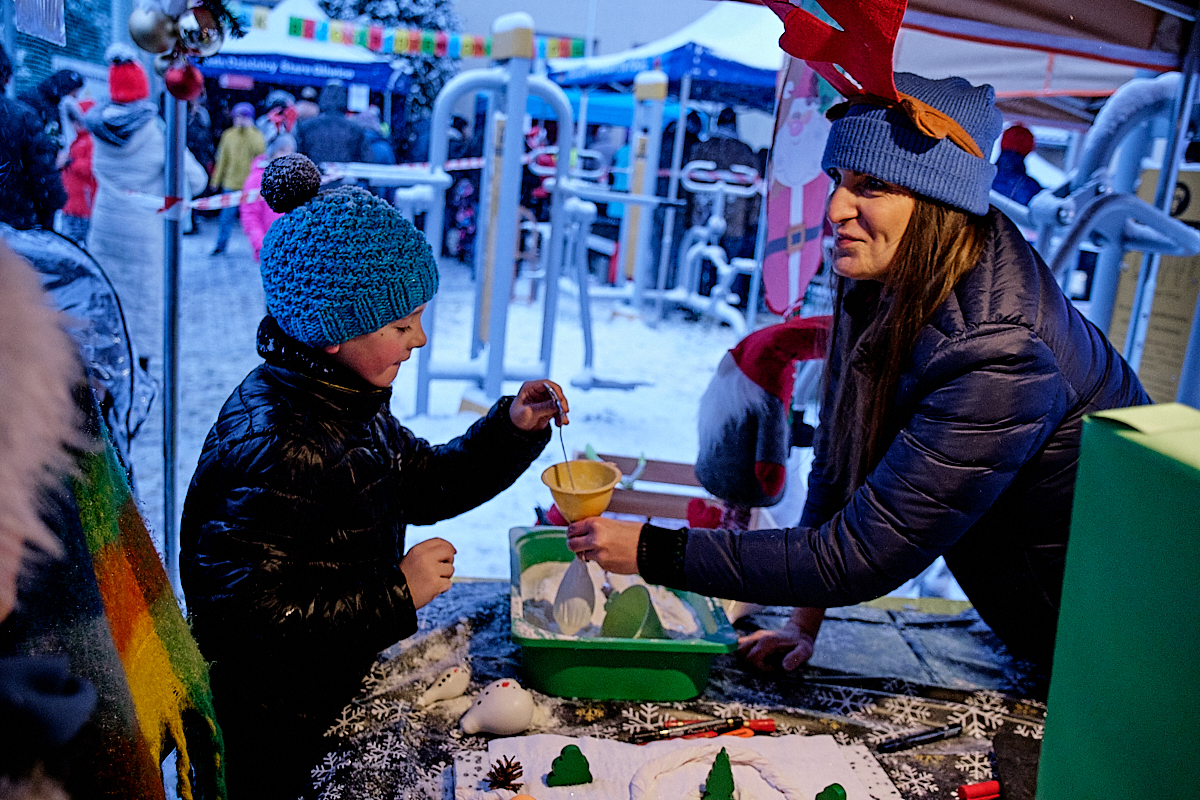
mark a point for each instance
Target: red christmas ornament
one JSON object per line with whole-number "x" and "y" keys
{"x": 184, "y": 80}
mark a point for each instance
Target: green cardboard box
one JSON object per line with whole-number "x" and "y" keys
{"x": 1123, "y": 716}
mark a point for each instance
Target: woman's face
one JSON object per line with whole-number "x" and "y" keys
{"x": 869, "y": 216}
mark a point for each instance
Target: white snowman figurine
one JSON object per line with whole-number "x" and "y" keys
{"x": 452, "y": 683}
{"x": 503, "y": 707}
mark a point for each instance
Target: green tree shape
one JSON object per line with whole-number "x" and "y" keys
{"x": 833, "y": 791}
{"x": 719, "y": 783}
{"x": 570, "y": 768}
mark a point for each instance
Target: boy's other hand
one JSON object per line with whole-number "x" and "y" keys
{"x": 428, "y": 566}
{"x": 536, "y": 403}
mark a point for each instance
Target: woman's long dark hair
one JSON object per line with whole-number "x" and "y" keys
{"x": 939, "y": 247}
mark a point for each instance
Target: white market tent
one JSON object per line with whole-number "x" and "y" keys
{"x": 737, "y": 44}
{"x": 272, "y": 55}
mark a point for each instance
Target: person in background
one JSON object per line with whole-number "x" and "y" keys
{"x": 199, "y": 134}
{"x": 239, "y": 146}
{"x": 256, "y": 215}
{"x": 306, "y": 107}
{"x": 726, "y": 150}
{"x": 330, "y": 136}
{"x": 293, "y": 555}
{"x": 30, "y": 187}
{"x": 1011, "y": 178}
{"x": 280, "y": 116}
{"x": 46, "y": 99}
{"x": 78, "y": 179}
{"x": 126, "y": 234}
{"x": 958, "y": 377}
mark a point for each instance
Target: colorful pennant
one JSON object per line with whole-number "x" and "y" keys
{"x": 429, "y": 42}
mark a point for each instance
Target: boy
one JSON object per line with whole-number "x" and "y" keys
{"x": 293, "y": 557}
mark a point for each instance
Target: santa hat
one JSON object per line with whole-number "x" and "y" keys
{"x": 745, "y": 413}
{"x": 127, "y": 81}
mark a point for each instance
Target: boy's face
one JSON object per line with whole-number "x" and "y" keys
{"x": 376, "y": 357}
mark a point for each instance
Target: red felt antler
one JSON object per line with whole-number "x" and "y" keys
{"x": 863, "y": 47}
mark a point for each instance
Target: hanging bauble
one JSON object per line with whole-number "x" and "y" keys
{"x": 200, "y": 32}
{"x": 184, "y": 80}
{"x": 152, "y": 30}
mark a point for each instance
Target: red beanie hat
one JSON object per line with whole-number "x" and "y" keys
{"x": 127, "y": 82}
{"x": 1018, "y": 138}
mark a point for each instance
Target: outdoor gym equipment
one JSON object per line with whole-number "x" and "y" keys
{"x": 701, "y": 243}
{"x": 512, "y": 43}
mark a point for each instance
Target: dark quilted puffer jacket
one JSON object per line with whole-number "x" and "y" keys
{"x": 982, "y": 470}
{"x": 293, "y": 528}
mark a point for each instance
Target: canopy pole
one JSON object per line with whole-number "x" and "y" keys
{"x": 172, "y": 242}
{"x": 664, "y": 253}
{"x": 1168, "y": 174}
{"x": 584, "y": 92}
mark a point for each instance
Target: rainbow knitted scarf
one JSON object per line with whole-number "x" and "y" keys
{"x": 167, "y": 678}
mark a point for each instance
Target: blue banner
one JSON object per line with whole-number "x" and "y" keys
{"x": 270, "y": 68}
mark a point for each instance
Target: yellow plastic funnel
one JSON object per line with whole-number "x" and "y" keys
{"x": 592, "y": 490}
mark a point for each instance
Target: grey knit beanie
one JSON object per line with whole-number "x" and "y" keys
{"x": 883, "y": 142}
{"x": 341, "y": 263}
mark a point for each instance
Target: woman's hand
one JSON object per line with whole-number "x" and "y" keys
{"x": 611, "y": 543}
{"x": 788, "y": 647}
{"x": 428, "y": 566}
{"x": 536, "y": 403}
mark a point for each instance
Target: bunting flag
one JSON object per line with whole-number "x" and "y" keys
{"x": 407, "y": 40}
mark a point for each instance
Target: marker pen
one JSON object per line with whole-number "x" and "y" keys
{"x": 918, "y": 739}
{"x": 688, "y": 728}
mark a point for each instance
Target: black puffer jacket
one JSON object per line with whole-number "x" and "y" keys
{"x": 293, "y": 528}
{"x": 982, "y": 470}
{"x": 31, "y": 189}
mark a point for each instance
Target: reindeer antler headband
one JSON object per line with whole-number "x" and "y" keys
{"x": 864, "y": 48}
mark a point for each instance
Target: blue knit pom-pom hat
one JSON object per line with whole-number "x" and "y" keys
{"x": 340, "y": 263}
{"x": 882, "y": 141}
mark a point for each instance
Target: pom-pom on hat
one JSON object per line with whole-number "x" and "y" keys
{"x": 883, "y": 142}
{"x": 1019, "y": 139}
{"x": 127, "y": 81}
{"x": 339, "y": 263}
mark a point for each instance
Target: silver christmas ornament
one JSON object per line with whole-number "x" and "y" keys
{"x": 152, "y": 30}
{"x": 200, "y": 32}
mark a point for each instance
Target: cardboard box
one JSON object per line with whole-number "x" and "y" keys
{"x": 1122, "y": 717}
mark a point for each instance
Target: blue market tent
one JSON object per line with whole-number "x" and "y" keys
{"x": 271, "y": 55}
{"x": 604, "y": 108}
{"x": 731, "y": 54}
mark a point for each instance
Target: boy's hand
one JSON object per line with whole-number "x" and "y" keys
{"x": 537, "y": 403}
{"x": 427, "y": 566}
{"x": 611, "y": 543}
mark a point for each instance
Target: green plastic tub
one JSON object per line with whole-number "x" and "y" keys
{"x": 607, "y": 668}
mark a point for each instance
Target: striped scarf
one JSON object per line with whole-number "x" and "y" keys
{"x": 166, "y": 676}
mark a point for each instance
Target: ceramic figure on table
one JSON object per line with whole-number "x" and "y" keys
{"x": 452, "y": 683}
{"x": 503, "y": 707}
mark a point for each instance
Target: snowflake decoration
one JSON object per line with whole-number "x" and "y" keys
{"x": 885, "y": 731}
{"x": 910, "y": 780}
{"x": 843, "y": 700}
{"x": 904, "y": 710}
{"x": 332, "y": 762}
{"x": 975, "y": 766}
{"x": 843, "y": 738}
{"x": 353, "y": 720}
{"x": 785, "y": 728}
{"x": 1029, "y": 731}
{"x": 897, "y": 686}
{"x": 982, "y": 714}
{"x": 385, "y": 711}
{"x": 590, "y": 713}
{"x": 727, "y": 710}
{"x": 384, "y": 754}
{"x": 333, "y": 792}
{"x": 646, "y": 717}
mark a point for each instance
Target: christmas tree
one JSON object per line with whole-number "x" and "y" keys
{"x": 427, "y": 72}
{"x": 570, "y": 768}
{"x": 719, "y": 784}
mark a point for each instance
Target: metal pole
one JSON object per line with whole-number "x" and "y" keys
{"x": 176, "y": 137}
{"x": 650, "y": 90}
{"x": 584, "y": 92}
{"x": 1177, "y": 140}
{"x": 664, "y": 258}
{"x": 760, "y": 247}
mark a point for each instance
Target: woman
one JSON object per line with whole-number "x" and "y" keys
{"x": 126, "y": 235}
{"x": 256, "y": 215}
{"x": 957, "y": 381}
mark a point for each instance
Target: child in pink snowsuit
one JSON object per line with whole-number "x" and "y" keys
{"x": 256, "y": 215}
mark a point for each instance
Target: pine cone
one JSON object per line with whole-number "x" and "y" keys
{"x": 504, "y": 774}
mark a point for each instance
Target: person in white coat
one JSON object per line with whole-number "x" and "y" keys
{"x": 126, "y": 236}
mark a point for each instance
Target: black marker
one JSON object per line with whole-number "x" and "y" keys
{"x": 687, "y": 729}
{"x": 918, "y": 739}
